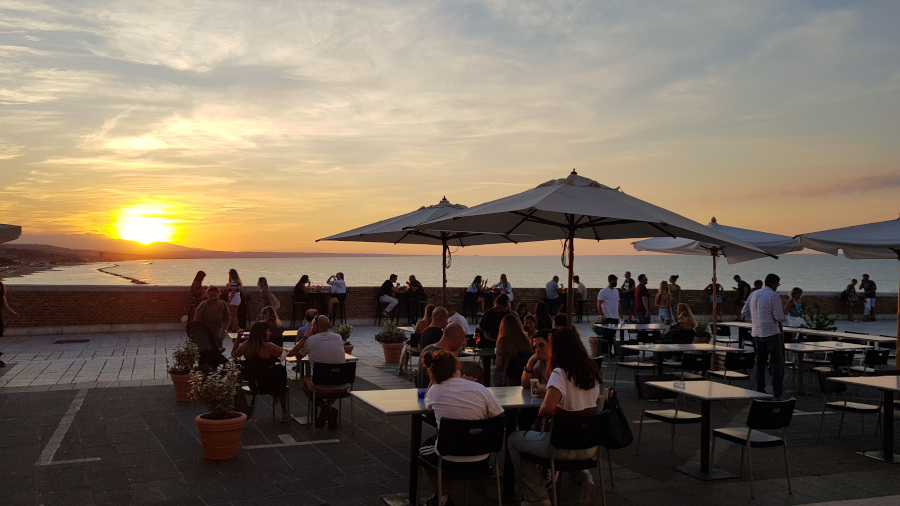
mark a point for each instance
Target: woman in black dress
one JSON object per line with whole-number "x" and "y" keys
{"x": 262, "y": 365}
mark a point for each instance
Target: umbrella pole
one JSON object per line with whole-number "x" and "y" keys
{"x": 570, "y": 294}
{"x": 444, "y": 269}
{"x": 897, "y": 359}
{"x": 715, "y": 297}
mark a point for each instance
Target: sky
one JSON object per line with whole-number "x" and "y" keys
{"x": 246, "y": 125}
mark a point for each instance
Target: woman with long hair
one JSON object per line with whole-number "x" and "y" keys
{"x": 529, "y": 325}
{"x": 276, "y": 331}
{"x": 267, "y": 298}
{"x": 522, "y": 310}
{"x": 338, "y": 291}
{"x": 452, "y": 396}
{"x": 793, "y": 308}
{"x": 664, "y": 302}
{"x": 234, "y": 297}
{"x": 4, "y": 306}
{"x": 504, "y": 287}
{"x": 301, "y": 289}
{"x": 675, "y": 293}
{"x": 196, "y": 294}
{"x": 262, "y": 365}
{"x": 409, "y": 349}
{"x": 544, "y": 320}
{"x": 511, "y": 340}
{"x": 474, "y": 293}
{"x": 215, "y": 314}
{"x": 573, "y": 388}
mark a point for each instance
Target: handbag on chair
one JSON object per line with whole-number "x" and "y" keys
{"x": 615, "y": 430}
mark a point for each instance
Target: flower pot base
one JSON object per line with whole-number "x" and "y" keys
{"x": 221, "y": 439}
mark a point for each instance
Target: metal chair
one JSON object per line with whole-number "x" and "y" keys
{"x": 723, "y": 335}
{"x": 572, "y": 433}
{"x": 764, "y": 415}
{"x": 466, "y": 438}
{"x": 874, "y": 361}
{"x": 329, "y": 382}
{"x": 674, "y": 417}
{"x": 638, "y": 364}
{"x": 735, "y": 361}
{"x": 843, "y": 405}
{"x": 841, "y": 360}
{"x": 697, "y": 363}
{"x": 252, "y": 372}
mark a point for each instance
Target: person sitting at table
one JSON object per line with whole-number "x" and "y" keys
{"x": 490, "y": 321}
{"x": 269, "y": 316}
{"x": 522, "y": 310}
{"x": 452, "y": 341}
{"x": 473, "y": 293}
{"x": 456, "y": 317}
{"x": 301, "y": 289}
{"x": 308, "y": 316}
{"x": 504, "y": 287}
{"x": 434, "y": 331}
{"x": 535, "y": 368}
{"x": 560, "y": 321}
{"x": 321, "y": 345}
{"x": 338, "y": 291}
{"x": 387, "y": 293}
{"x": 451, "y": 396}
{"x": 573, "y": 388}
{"x": 544, "y": 320}
{"x": 529, "y": 324}
{"x": 266, "y": 297}
{"x": 685, "y": 324}
{"x": 511, "y": 342}
{"x": 262, "y": 362}
{"x": 414, "y": 345}
{"x": 415, "y": 293}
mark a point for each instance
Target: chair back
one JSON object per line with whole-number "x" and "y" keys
{"x": 598, "y": 361}
{"x": 325, "y": 374}
{"x": 841, "y": 359}
{"x": 744, "y": 334}
{"x": 723, "y": 330}
{"x": 648, "y": 392}
{"x": 647, "y": 336}
{"x": 875, "y": 358}
{"x": 831, "y": 387}
{"x": 470, "y": 437}
{"x": 696, "y": 361}
{"x": 414, "y": 340}
{"x": 572, "y": 432}
{"x": 738, "y": 361}
{"x": 771, "y": 415}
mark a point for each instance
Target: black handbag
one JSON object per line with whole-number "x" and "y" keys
{"x": 615, "y": 429}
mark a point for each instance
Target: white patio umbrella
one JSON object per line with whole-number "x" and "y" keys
{"x": 397, "y": 230}
{"x": 9, "y": 233}
{"x": 576, "y": 207}
{"x": 879, "y": 240}
{"x": 770, "y": 244}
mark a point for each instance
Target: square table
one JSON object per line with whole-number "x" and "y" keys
{"x": 888, "y": 385}
{"x": 405, "y": 401}
{"x": 707, "y": 391}
{"x": 622, "y": 327}
{"x": 801, "y": 349}
{"x": 659, "y": 349}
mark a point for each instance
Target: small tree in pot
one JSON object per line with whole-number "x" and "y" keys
{"x": 392, "y": 341}
{"x": 345, "y": 330}
{"x": 221, "y": 428}
{"x": 184, "y": 359}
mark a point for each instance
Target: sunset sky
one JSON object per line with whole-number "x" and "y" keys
{"x": 248, "y": 125}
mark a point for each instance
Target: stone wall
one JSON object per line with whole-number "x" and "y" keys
{"x": 74, "y": 309}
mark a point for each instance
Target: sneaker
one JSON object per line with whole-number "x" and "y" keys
{"x": 589, "y": 493}
{"x": 324, "y": 411}
{"x": 333, "y": 419}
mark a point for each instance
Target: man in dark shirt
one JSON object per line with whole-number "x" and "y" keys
{"x": 490, "y": 321}
{"x": 627, "y": 295}
{"x": 386, "y": 294}
{"x": 743, "y": 291}
{"x": 414, "y": 293}
{"x": 642, "y": 300}
{"x": 868, "y": 287}
{"x": 439, "y": 320}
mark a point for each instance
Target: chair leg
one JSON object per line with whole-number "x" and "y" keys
{"x": 600, "y": 474}
{"x": 821, "y": 421}
{"x": 553, "y": 481}
{"x": 609, "y": 465}
{"x": 497, "y": 480}
{"x": 640, "y": 431}
{"x": 841, "y": 426}
{"x": 673, "y": 440}
{"x": 750, "y": 463}
{"x": 787, "y": 469}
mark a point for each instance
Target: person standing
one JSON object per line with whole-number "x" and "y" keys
{"x": 675, "y": 292}
{"x": 196, "y": 295}
{"x": 215, "y": 314}
{"x": 627, "y": 295}
{"x": 234, "y": 298}
{"x": 664, "y": 303}
{"x": 608, "y": 308}
{"x": 642, "y": 300}
{"x": 766, "y": 315}
{"x": 4, "y": 306}
{"x": 868, "y": 287}
{"x": 553, "y": 299}
{"x": 266, "y": 297}
{"x": 743, "y": 290}
{"x": 850, "y": 298}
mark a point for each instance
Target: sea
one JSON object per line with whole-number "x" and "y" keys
{"x": 811, "y": 272}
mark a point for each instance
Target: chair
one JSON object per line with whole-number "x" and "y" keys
{"x": 329, "y": 382}
{"x": 843, "y": 405}
{"x": 674, "y": 417}
{"x": 581, "y": 310}
{"x": 380, "y": 307}
{"x": 621, "y": 353}
{"x": 744, "y": 336}
{"x": 764, "y": 415}
{"x": 252, "y": 373}
{"x": 696, "y": 362}
{"x": 466, "y": 438}
{"x": 572, "y": 433}
{"x": 735, "y": 361}
{"x": 723, "y": 335}
{"x": 874, "y": 361}
{"x": 841, "y": 360}
{"x": 339, "y": 309}
{"x": 470, "y": 306}
{"x": 300, "y": 303}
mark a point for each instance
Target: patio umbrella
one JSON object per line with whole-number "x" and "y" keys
{"x": 9, "y": 233}
{"x": 576, "y": 207}
{"x": 771, "y": 244}
{"x": 879, "y": 240}
{"x": 396, "y": 230}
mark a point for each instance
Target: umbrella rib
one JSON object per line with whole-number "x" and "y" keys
{"x": 530, "y": 217}
{"x": 657, "y": 227}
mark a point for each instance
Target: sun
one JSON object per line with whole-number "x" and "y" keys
{"x": 144, "y": 224}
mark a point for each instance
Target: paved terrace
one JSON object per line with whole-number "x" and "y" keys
{"x": 91, "y": 419}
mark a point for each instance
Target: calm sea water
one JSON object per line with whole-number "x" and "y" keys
{"x": 812, "y": 272}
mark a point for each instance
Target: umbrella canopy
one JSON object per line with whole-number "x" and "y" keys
{"x": 397, "y": 230}
{"x": 576, "y": 207}
{"x": 9, "y": 233}
{"x": 771, "y": 244}
{"x": 869, "y": 241}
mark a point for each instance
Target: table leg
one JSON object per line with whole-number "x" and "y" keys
{"x": 659, "y": 363}
{"x": 486, "y": 367}
{"x": 415, "y": 441}
{"x": 887, "y": 426}
{"x": 705, "y": 415}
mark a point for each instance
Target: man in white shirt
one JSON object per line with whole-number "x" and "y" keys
{"x": 457, "y": 318}
{"x": 766, "y": 316}
{"x": 608, "y": 307}
{"x": 320, "y": 346}
{"x": 553, "y": 298}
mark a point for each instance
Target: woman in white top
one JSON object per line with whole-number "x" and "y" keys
{"x": 572, "y": 388}
{"x": 338, "y": 291}
{"x": 267, "y": 297}
{"x": 451, "y": 396}
{"x": 504, "y": 287}
{"x": 234, "y": 297}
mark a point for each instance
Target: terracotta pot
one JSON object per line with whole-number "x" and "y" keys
{"x": 348, "y": 348}
{"x": 392, "y": 352}
{"x": 595, "y": 346}
{"x": 182, "y": 387}
{"x": 221, "y": 438}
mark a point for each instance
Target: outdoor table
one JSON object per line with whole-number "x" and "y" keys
{"x": 659, "y": 349}
{"x": 707, "y": 391}
{"x": 407, "y": 329}
{"x": 487, "y": 355}
{"x": 801, "y": 349}
{"x": 845, "y": 336}
{"x": 406, "y": 401}
{"x": 888, "y": 385}
{"x": 303, "y": 367}
{"x": 622, "y": 327}
{"x": 287, "y": 333}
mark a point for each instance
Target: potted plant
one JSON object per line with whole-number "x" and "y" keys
{"x": 344, "y": 330}
{"x": 594, "y": 341}
{"x": 221, "y": 428}
{"x": 392, "y": 341}
{"x": 184, "y": 359}
{"x": 701, "y": 334}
